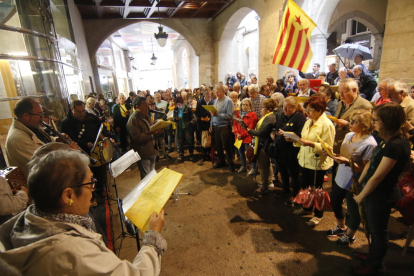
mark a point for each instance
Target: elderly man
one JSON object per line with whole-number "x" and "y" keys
{"x": 121, "y": 115}
{"x": 350, "y": 101}
{"x": 304, "y": 90}
{"x": 141, "y": 137}
{"x": 256, "y": 100}
{"x": 398, "y": 92}
{"x": 25, "y": 135}
{"x": 161, "y": 104}
{"x": 368, "y": 83}
{"x": 332, "y": 74}
{"x": 220, "y": 126}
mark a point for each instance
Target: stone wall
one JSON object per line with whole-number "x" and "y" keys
{"x": 398, "y": 53}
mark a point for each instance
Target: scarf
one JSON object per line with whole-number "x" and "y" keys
{"x": 243, "y": 113}
{"x": 84, "y": 221}
{"x": 256, "y": 138}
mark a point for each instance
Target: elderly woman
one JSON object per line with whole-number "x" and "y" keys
{"x": 55, "y": 237}
{"x": 291, "y": 119}
{"x": 358, "y": 146}
{"x": 234, "y": 97}
{"x": 313, "y": 163}
{"x": 250, "y": 119}
{"x": 90, "y": 106}
{"x": 379, "y": 178}
{"x": 262, "y": 140}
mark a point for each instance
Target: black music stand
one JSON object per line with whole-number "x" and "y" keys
{"x": 128, "y": 229}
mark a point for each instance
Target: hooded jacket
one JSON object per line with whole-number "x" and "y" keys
{"x": 38, "y": 246}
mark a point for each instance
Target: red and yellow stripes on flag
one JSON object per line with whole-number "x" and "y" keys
{"x": 293, "y": 47}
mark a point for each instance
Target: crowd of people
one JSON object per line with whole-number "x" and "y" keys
{"x": 236, "y": 119}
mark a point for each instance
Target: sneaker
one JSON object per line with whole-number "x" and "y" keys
{"x": 242, "y": 169}
{"x": 252, "y": 172}
{"x": 261, "y": 191}
{"x": 180, "y": 157}
{"x": 231, "y": 168}
{"x": 314, "y": 221}
{"x": 325, "y": 178}
{"x": 345, "y": 241}
{"x": 337, "y": 231}
{"x": 302, "y": 212}
{"x": 282, "y": 193}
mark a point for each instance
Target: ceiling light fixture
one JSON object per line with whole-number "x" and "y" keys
{"x": 161, "y": 36}
{"x": 154, "y": 58}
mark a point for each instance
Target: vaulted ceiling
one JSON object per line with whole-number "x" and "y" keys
{"x": 140, "y": 9}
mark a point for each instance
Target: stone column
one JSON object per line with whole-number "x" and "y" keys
{"x": 375, "y": 63}
{"x": 194, "y": 70}
{"x": 206, "y": 59}
{"x": 319, "y": 47}
{"x": 98, "y": 87}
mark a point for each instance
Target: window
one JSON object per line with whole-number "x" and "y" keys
{"x": 358, "y": 28}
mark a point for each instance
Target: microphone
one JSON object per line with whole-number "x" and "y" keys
{"x": 157, "y": 112}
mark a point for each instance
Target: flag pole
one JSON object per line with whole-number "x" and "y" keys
{"x": 332, "y": 50}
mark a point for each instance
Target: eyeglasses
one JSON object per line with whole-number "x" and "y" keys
{"x": 92, "y": 184}
{"x": 309, "y": 110}
{"x": 353, "y": 122}
{"x": 40, "y": 114}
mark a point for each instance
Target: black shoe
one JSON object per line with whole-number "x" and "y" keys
{"x": 180, "y": 157}
{"x": 219, "y": 165}
{"x": 170, "y": 150}
{"x": 231, "y": 168}
{"x": 191, "y": 157}
{"x": 157, "y": 158}
{"x": 337, "y": 231}
{"x": 167, "y": 157}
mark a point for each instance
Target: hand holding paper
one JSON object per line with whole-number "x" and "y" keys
{"x": 328, "y": 148}
{"x": 291, "y": 135}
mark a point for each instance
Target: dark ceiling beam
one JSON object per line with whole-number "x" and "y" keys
{"x": 152, "y": 9}
{"x": 222, "y": 8}
{"x": 177, "y": 8}
{"x": 99, "y": 11}
{"x": 199, "y": 9}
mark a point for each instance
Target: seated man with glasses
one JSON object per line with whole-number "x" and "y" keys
{"x": 25, "y": 135}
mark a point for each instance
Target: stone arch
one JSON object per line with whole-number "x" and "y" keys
{"x": 362, "y": 17}
{"x": 226, "y": 37}
{"x": 96, "y": 35}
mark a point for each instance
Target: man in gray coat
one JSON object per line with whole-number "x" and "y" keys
{"x": 141, "y": 137}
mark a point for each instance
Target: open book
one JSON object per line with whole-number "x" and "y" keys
{"x": 210, "y": 108}
{"x": 328, "y": 148}
{"x": 119, "y": 166}
{"x": 160, "y": 124}
{"x": 150, "y": 195}
{"x": 290, "y": 135}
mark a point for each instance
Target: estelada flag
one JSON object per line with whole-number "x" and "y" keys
{"x": 293, "y": 47}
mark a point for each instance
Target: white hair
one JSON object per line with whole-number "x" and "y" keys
{"x": 254, "y": 87}
{"x": 278, "y": 97}
{"x": 399, "y": 86}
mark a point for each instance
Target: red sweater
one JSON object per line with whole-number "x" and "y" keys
{"x": 250, "y": 120}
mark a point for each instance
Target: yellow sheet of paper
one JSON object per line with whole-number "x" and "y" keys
{"x": 160, "y": 124}
{"x": 328, "y": 148}
{"x": 210, "y": 108}
{"x": 153, "y": 198}
{"x": 332, "y": 118}
{"x": 302, "y": 100}
{"x": 238, "y": 143}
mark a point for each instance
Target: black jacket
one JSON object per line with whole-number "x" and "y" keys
{"x": 188, "y": 117}
{"x": 89, "y": 127}
{"x": 201, "y": 112}
{"x": 264, "y": 131}
{"x": 119, "y": 120}
{"x": 293, "y": 123}
{"x": 368, "y": 85}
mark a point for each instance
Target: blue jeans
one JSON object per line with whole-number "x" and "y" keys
{"x": 242, "y": 151}
{"x": 146, "y": 165}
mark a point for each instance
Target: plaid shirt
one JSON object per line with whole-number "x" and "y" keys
{"x": 257, "y": 105}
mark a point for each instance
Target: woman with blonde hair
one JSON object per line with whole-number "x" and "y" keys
{"x": 358, "y": 145}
